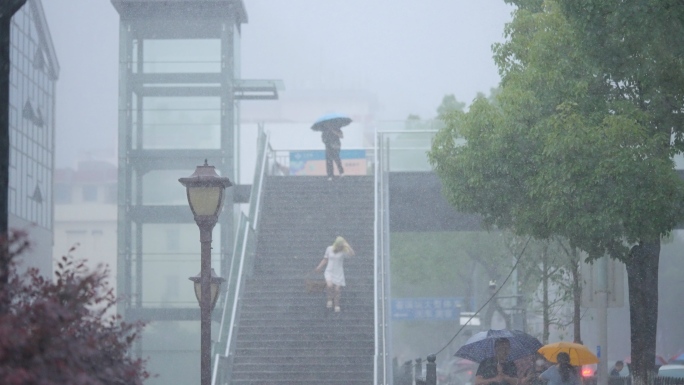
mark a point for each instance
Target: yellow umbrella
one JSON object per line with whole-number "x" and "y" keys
{"x": 579, "y": 354}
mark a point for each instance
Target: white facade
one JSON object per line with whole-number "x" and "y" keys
{"x": 86, "y": 214}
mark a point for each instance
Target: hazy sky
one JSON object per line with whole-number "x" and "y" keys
{"x": 408, "y": 53}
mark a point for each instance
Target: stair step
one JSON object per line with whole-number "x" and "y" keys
{"x": 312, "y": 320}
{"x": 302, "y": 357}
{"x": 303, "y": 329}
{"x": 306, "y": 366}
{"x": 281, "y": 300}
{"x": 320, "y": 351}
{"x": 329, "y": 381}
{"x": 298, "y": 343}
{"x": 265, "y": 373}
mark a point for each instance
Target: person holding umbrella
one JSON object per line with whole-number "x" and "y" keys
{"x": 498, "y": 370}
{"x": 331, "y": 138}
{"x": 568, "y": 356}
{"x": 562, "y": 373}
{"x": 496, "y": 350}
{"x": 330, "y": 126}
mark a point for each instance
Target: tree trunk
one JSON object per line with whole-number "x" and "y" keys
{"x": 576, "y": 297}
{"x": 545, "y": 300}
{"x": 642, "y": 278}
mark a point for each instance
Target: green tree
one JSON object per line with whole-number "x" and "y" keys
{"x": 637, "y": 48}
{"x": 559, "y": 155}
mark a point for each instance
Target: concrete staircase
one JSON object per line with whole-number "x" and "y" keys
{"x": 286, "y": 335}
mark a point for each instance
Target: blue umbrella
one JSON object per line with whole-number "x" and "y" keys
{"x": 331, "y": 121}
{"x": 481, "y": 345}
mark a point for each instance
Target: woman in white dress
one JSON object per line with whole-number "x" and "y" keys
{"x": 334, "y": 271}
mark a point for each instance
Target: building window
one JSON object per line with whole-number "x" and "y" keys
{"x": 172, "y": 239}
{"x": 37, "y": 194}
{"x": 62, "y": 194}
{"x": 35, "y": 116}
{"x": 38, "y": 119}
{"x": 111, "y": 193}
{"x": 89, "y": 193}
{"x": 38, "y": 60}
{"x": 28, "y": 111}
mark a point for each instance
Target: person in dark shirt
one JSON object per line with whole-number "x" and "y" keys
{"x": 498, "y": 370}
{"x": 615, "y": 372}
{"x": 331, "y": 139}
{"x": 614, "y": 377}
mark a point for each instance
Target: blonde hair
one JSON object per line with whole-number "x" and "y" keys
{"x": 340, "y": 244}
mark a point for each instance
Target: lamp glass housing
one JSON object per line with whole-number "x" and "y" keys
{"x": 214, "y": 286}
{"x": 214, "y": 292}
{"x": 205, "y": 200}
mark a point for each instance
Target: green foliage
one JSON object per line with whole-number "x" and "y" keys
{"x": 555, "y": 156}
{"x": 637, "y": 47}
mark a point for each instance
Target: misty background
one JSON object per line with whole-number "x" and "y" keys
{"x": 408, "y": 53}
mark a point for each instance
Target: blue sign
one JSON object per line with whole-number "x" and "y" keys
{"x": 312, "y": 162}
{"x": 437, "y": 309}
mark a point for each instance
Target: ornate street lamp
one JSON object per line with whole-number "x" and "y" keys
{"x": 216, "y": 282}
{"x": 205, "y": 190}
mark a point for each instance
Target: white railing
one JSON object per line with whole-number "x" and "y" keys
{"x": 245, "y": 245}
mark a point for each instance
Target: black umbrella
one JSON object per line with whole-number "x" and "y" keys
{"x": 481, "y": 345}
{"x": 331, "y": 121}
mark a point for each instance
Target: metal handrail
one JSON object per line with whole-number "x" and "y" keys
{"x": 381, "y": 281}
{"x": 261, "y": 168}
{"x": 246, "y": 227}
{"x": 375, "y": 262}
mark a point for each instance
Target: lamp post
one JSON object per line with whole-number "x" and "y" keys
{"x": 205, "y": 190}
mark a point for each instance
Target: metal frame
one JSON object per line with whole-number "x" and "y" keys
{"x": 135, "y": 161}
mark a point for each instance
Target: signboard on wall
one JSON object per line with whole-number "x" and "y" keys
{"x": 438, "y": 309}
{"x": 312, "y": 162}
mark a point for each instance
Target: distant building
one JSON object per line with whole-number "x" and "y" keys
{"x": 86, "y": 214}
{"x": 33, "y": 76}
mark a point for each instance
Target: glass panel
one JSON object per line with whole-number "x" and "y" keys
{"x": 171, "y": 254}
{"x": 182, "y": 56}
{"x": 409, "y": 142}
{"x": 181, "y": 122}
{"x": 173, "y": 348}
{"x": 161, "y": 187}
{"x": 237, "y": 73}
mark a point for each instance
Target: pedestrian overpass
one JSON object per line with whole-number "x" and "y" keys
{"x": 272, "y": 330}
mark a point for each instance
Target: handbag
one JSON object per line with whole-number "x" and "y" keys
{"x": 314, "y": 283}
